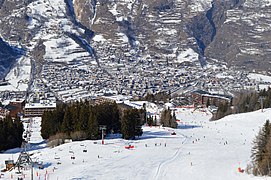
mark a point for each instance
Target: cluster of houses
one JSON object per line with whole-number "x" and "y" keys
{"x": 78, "y": 81}
{"x": 120, "y": 70}
{"x": 15, "y": 104}
{"x": 40, "y": 102}
{"x": 19, "y": 108}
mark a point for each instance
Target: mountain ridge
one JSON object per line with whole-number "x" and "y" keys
{"x": 172, "y": 33}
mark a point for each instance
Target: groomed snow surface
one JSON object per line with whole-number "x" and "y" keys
{"x": 200, "y": 150}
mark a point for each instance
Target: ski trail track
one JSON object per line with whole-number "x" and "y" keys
{"x": 177, "y": 153}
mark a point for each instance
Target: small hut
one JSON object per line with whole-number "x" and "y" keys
{"x": 9, "y": 164}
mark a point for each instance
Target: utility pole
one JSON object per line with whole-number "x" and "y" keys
{"x": 145, "y": 111}
{"x": 261, "y": 98}
{"x": 103, "y": 128}
{"x": 32, "y": 171}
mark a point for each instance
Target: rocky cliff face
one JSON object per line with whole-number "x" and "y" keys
{"x": 243, "y": 40}
{"x": 235, "y": 32}
{"x": 231, "y": 31}
{"x": 13, "y": 27}
{"x": 158, "y": 28}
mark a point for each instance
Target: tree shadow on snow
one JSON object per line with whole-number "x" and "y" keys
{"x": 188, "y": 126}
{"x": 113, "y": 136}
{"x": 155, "y": 135}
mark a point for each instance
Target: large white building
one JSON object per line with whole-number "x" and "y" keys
{"x": 37, "y": 109}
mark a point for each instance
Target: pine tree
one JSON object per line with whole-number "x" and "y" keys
{"x": 155, "y": 121}
{"x": 67, "y": 124}
{"x": 74, "y": 110}
{"x": 150, "y": 121}
{"x": 144, "y": 113}
{"x": 260, "y": 151}
{"x": 167, "y": 120}
{"x": 93, "y": 127}
{"x": 173, "y": 123}
{"x": 163, "y": 117}
{"x": 115, "y": 119}
{"x": 57, "y": 117}
{"x": 131, "y": 124}
{"x": 19, "y": 129}
{"x": 11, "y": 132}
{"x": 47, "y": 125}
{"x": 83, "y": 118}
{"x": 127, "y": 125}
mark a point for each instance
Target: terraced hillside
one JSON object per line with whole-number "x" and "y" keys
{"x": 195, "y": 32}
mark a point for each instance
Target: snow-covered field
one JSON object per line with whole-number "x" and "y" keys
{"x": 19, "y": 76}
{"x": 260, "y": 77}
{"x": 188, "y": 55}
{"x": 199, "y": 150}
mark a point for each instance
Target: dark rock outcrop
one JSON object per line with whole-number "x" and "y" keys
{"x": 8, "y": 57}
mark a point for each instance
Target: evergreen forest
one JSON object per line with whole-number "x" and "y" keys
{"x": 167, "y": 119}
{"x": 83, "y": 120}
{"x": 11, "y": 131}
{"x": 244, "y": 102}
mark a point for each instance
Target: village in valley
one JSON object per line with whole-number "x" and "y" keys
{"x": 160, "y": 97}
{"x": 193, "y": 97}
{"x": 183, "y": 85}
{"x": 150, "y": 82}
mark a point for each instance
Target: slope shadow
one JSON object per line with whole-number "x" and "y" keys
{"x": 37, "y": 144}
{"x": 44, "y": 165}
{"x": 33, "y": 146}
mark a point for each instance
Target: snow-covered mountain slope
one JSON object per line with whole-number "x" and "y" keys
{"x": 124, "y": 38}
{"x": 48, "y": 33}
{"x": 55, "y": 29}
{"x": 8, "y": 55}
{"x": 199, "y": 150}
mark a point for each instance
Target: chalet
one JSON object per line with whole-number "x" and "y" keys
{"x": 15, "y": 107}
{"x": 9, "y": 164}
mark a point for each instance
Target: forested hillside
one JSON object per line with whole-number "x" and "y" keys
{"x": 81, "y": 120}
{"x": 11, "y": 132}
{"x": 245, "y": 102}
